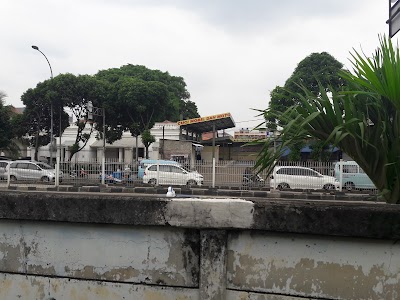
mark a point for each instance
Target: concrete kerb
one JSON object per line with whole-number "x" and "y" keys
{"x": 199, "y": 191}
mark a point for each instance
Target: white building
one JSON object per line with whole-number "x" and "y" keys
{"x": 166, "y": 130}
{"x": 123, "y": 150}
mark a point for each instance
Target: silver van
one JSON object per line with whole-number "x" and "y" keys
{"x": 24, "y": 170}
{"x": 3, "y": 168}
{"x": 353, "y": 177}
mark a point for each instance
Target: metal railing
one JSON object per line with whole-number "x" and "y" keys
{"x": 225, "y": 174}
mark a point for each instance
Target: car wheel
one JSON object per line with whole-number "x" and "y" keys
{"x": 13, "y": 178}
{"x": 45, "y": 179}
{"x": 349, "y": 186}
{"x": 283, "y": 186}
{"x": 153, "y": 181}
{"x": 329, "y": 186}
{"x": 192, "y": 182}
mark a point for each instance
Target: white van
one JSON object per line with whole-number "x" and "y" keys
{"x": 144, "y": 163}
{"x": 353, "y": 177}
{"x": 169, "y": 174}
{"x": 295, "y": 177}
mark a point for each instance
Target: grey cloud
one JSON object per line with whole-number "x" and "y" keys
{"x": 240, "y": 15}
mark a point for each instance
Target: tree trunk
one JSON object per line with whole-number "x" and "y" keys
{"x": 36, "y": 145}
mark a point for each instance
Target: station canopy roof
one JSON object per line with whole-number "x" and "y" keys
{"x": 205, "y": 124}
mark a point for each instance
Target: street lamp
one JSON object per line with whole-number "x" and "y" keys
{"x": 51, "y": 109}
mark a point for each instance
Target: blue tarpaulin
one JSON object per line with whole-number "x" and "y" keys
{"x": 307, "y": 149}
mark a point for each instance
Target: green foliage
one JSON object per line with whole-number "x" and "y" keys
{"x": 75, "y": 93}
{"x": 147, "y": 140}
{"x": 320, "y": 151}
{"x": 35, "y": 122}
{"x": 6, "y": 130}
{"x": 171, "y": 89}
{"x": 363, "y": 120}
{"x": 315, "y": 69}
{"x": 188, "y": 110}
{"x": 133, "y": 98}
{"x": 295, "y": 150}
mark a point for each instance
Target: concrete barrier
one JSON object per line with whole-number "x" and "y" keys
{"x": 103, "y": 246}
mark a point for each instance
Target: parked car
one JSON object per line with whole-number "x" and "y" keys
{"x": 302, "y": 178}
{"x": 3, "y": 168}
{"x": 147, "y": 162}
{"x": 353, "y": 177}
{"x": 31, "y": 171}
{"x": 170, "y": 174}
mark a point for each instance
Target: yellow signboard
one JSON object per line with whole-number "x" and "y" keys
{"x": 204, "y": 119}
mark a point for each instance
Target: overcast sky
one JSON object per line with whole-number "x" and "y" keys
{"x": 231, "y": 53}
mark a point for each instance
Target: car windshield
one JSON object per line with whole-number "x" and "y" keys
{"x": 45, "y": 166}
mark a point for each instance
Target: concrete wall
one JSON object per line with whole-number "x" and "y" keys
{"x": 89, "y": 246}
{"x": 172, "y": 147}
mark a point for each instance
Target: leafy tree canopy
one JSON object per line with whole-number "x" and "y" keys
{"x": 147, "y": 140}
{"x": 75, "y": 93}
{"x": 133, "y": 98}
{"x": 314, "y": 70}
{"x": 363, "y": 120}
{"x": 177, "y": 95}
{"x": 6, "y": 130}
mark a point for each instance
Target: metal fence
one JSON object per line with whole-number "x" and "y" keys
{"x": 229, "y": 174}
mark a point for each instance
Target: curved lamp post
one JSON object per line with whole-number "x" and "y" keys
{"x": 51, "y": 109}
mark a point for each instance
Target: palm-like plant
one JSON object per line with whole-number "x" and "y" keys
{"x": 363, "y": 120}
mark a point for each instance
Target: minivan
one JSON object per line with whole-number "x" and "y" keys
{"x": 296, "y": 177}
{"x": 353, "y": 177}
{"x": 147, "y": 162}
{"x": 170, "y": 174}
{"x": 3, "y": 168}
{"x": 25, "y": 170}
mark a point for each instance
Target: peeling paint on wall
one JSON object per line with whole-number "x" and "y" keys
{"x": 186, "y": 260}
{"x": 314, "y": 266}
{"x": 14, "y": 286}
{"x": 153, "y": 255}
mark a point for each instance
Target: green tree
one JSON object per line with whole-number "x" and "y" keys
{"x": 140, "y": 97}
{"x": 141, "y": 103}
{"x": 18, "y": 139}
{"x": 188, "y": 110}
{"x": 34, "y": 124}
{"x": 147, "y": 140}
{"x": 317, "y": 68}
{"x": 75, "y": 93}
{"x": 178, "y": 102}
{"x": 320, "y": 151}
{"x": 6, "y": 130}
{"x": 363, "y": 120}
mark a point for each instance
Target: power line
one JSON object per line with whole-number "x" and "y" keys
{"x": 250, "y": 121}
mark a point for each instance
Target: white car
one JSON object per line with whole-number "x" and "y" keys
{"x": 292, "y": 177}
{"x": 168, "y": 174}
{"x": 24, "y": 170}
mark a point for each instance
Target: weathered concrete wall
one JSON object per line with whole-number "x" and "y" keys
{"x": 171, "y": 147}
{"x": 17, "y": 286}
{"x": 155, "y": 255}
{"x": 314, "y": 266}
{"x": 88, "y": 246}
